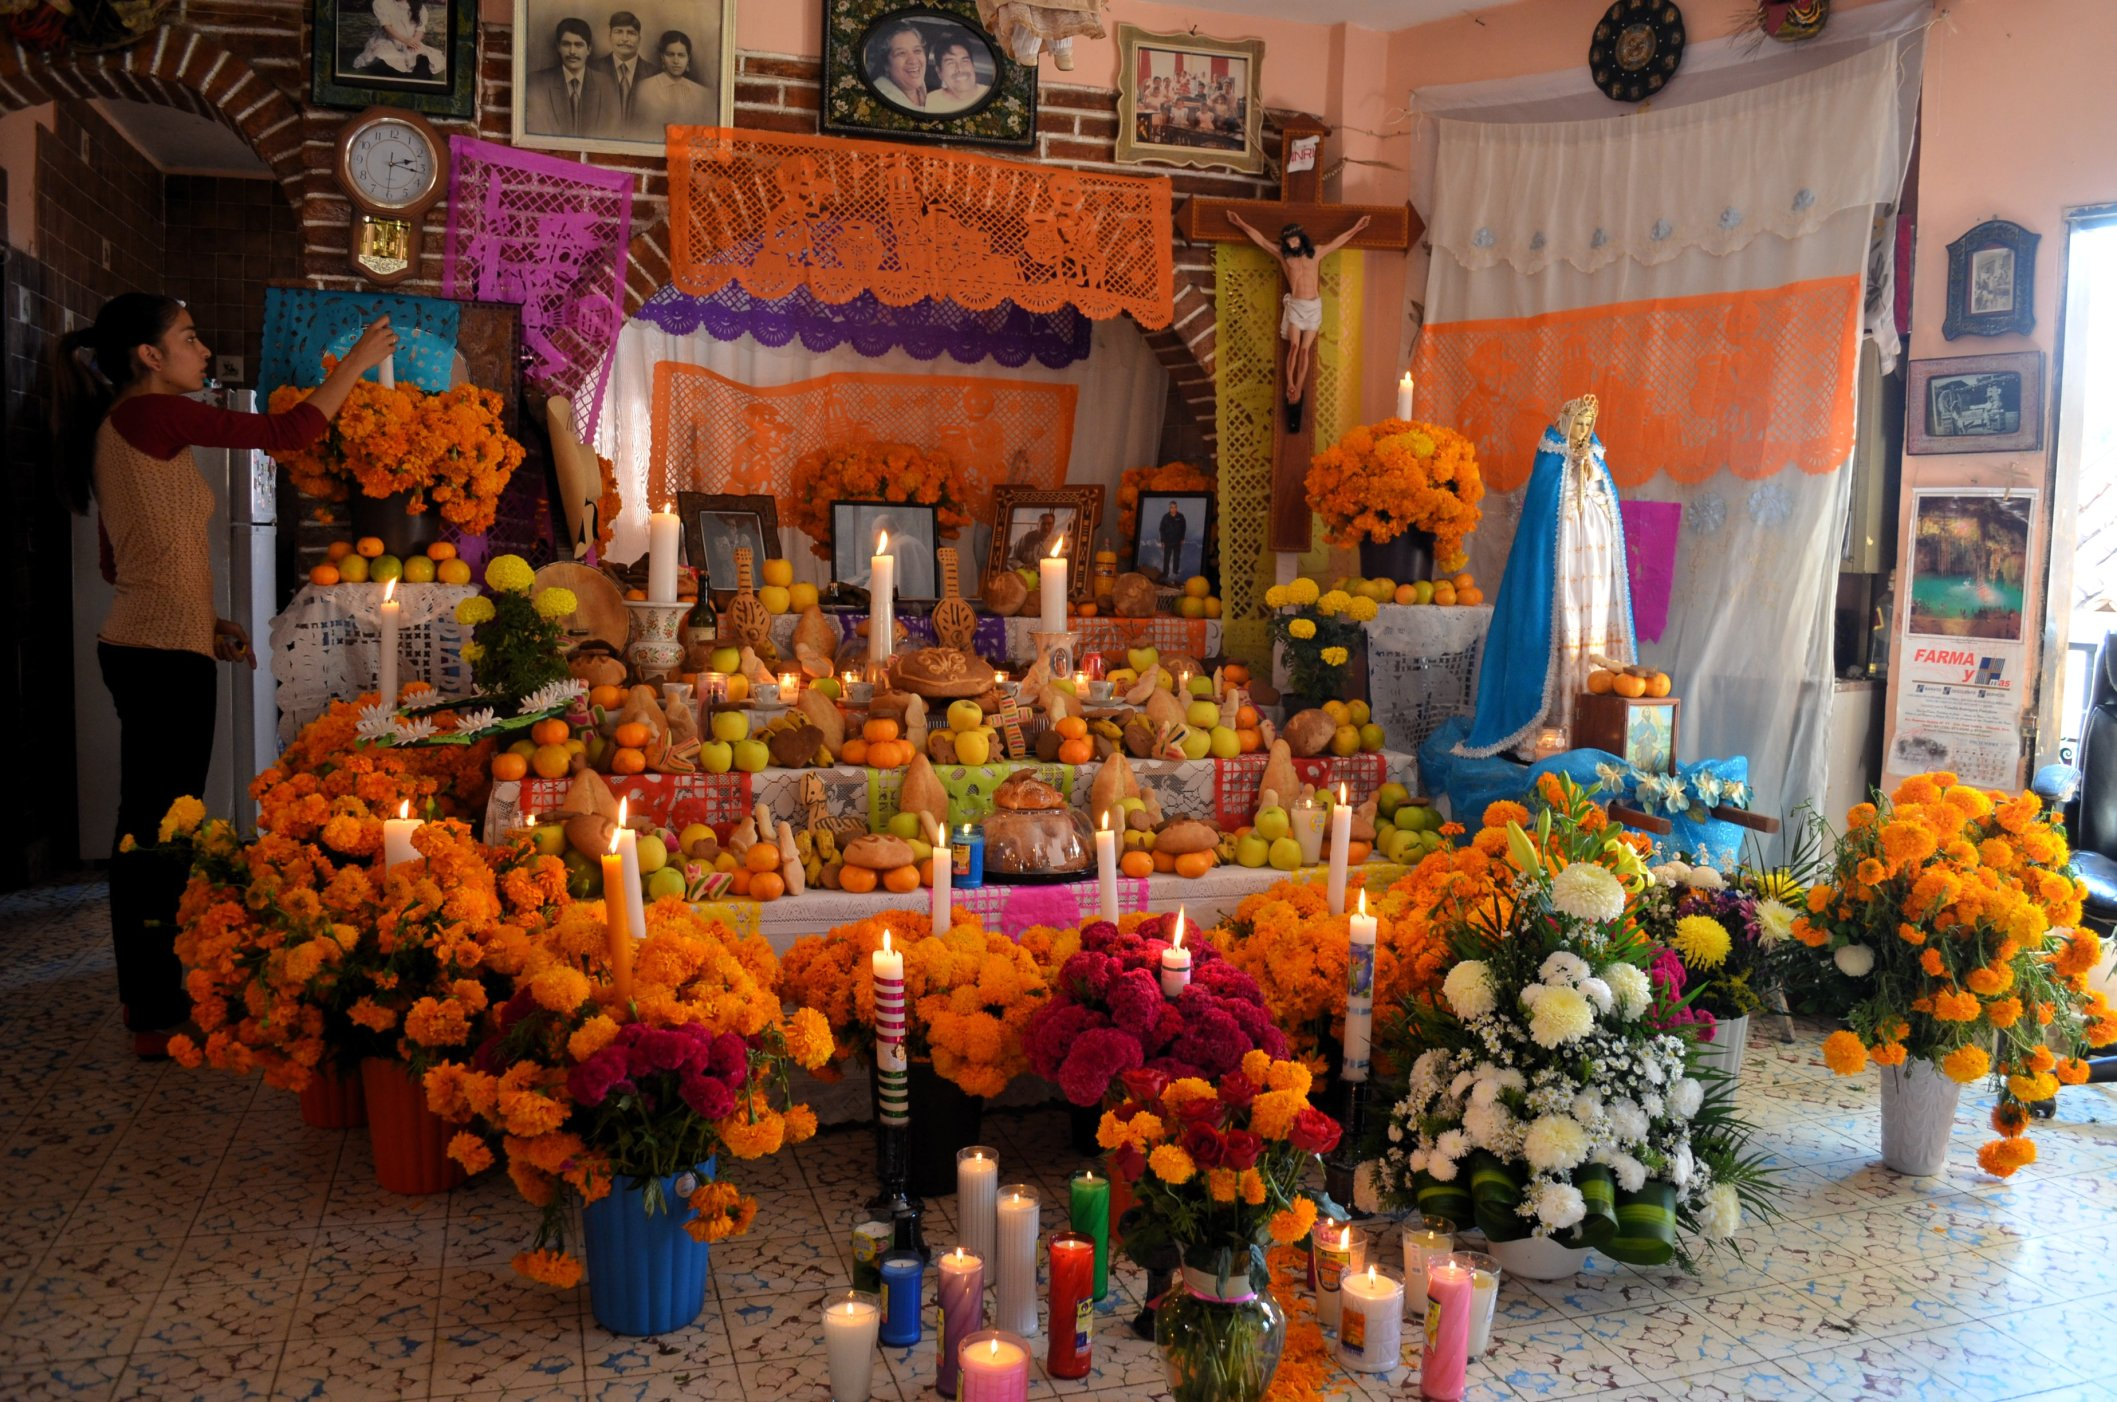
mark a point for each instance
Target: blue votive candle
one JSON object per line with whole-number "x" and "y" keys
{"x": 903, "y": 1283}
{"x": 967, "y": 854}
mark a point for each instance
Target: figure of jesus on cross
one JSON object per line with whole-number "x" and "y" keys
{"x": 1301, "y": 308}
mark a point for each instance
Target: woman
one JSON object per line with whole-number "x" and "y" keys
{"x": 123, "y": 432}
{"x": 671, "y": 98}
{"x": 398, "y": 46}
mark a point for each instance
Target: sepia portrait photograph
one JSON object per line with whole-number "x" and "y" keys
{"x": 615, "y": 77}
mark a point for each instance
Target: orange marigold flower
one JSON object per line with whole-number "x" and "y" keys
{"x": 549, "y": 1268}
{"x": 1966, "y": 1063}
{"x": 1859, "y": 815}
{"x": 1503, "y": 812}
{"x": 1819, "y": 899}
{"x": 2001, "y": 1157}
{"x": 1953, "y": 1005}
{"x": 1910, "y": 934}
{"x": 2009, "y": 1119}
{"x": 470, "y": 1151}
{"x": 1844, "y": 1053}
{"x": 2003, "y": 1012}
{"x": 2041, "y": 1086}
{"x": 2080, "y": 952}
{"x": 2071, "y": 1071}
{"x": 1987, "y": 981}
{"x": 1891, "y": 1054}
{"x": 1293, "y": 1222}
{"x": 1930, "y": 960}
{"x": 2042, "y": 1058}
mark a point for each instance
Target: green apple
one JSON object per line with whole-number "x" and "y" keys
{"x": 384, "y": 568}
{"x": 654, "y": 853}
{"x": 1285, "y": 854}
{"x": 1222, "y": 743}
{"x": 1027, "y": 576}
{"x": 730, "y": 725}
{"x": 692, "y": 836}
{"x": 1371, "y": 738}
{"x": 718, "y": 756}
{"x": 973, "y": 747}
{"x": 1132, "y": 803}
{"x": 1422, "y": 592}
{"x": 1164, "y": 682}
{"x": 921, "y": 849}
{"x": 669, "y": 881}
{"x": 353, "y": 569}
{"x": 1272, "y": 823}
{"x": 751, "y": 756}
{"x": 1196, "y": 744}
{"x": 1202, "y": 713}
{"x": 1430, "y": 840}
{"x": 1252, "y": 850}
{"x": 724, "y": 659}
{"x": 826, "y": 686}
{"x": 1390, "y": 797}
{"x": 1141, "y": 658}
{"x": 965, "y": 716}
{"x": 1201, "y": 686}
{"x": 905, "y": 825}
{"x": 550, "y": 839}
{"x": 1424, "y": 817}
{"x": 1397, "y": 843}
{"x": 418, "y": 570}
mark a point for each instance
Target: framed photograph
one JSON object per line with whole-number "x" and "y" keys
{"x": 924, "y": 72}
{"x": 1173, "y": 530}
{"x": 1976, "y": 404}
{"x": 1991, "y": 281}
{"x": 616, "y": 75}
{"x": 858, "y": 526}
{"x": 1028, "y": 521}
{"x": 416, "y": 54}
{"x": 1186, "y": 100}
{"x": 1969, "y": 562}
{"x": 715, "y": 524}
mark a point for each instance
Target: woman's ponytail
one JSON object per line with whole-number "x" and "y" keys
{"x": 85, "y": 385}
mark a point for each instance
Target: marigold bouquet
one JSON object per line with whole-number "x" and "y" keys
{"x": 579, "y": 1089}
{"x": 1946, "y": 916}
{"x": 329, "y": 789}
{"x": 1543, "y": 1079}
{"x": 969, "y": 992}
{"x": 1169, "y": 477}
{"x": 876, "y": 472}
{"x": 1384, "y": 479}
{"x": 518, "y": 637}
{"x": 1319, "y": 631}
{"x": 1107, "y": 1014}
{"x": 449, "y": 449}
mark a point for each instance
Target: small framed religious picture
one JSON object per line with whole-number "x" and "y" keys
{"x": 1991, "y": 281}
{"x": 416, "y": 54}
{"x": 1975, "y": 404}
{"x": 922, "y": 72}
{"x": 1186, "y": 100}
{"x": 1030, "y": 522}
{"x": 1173, "y": 530}
{"x": 616, "y": 76}
{"x": 715, "y": 524}
{"x": 861, "y": 530}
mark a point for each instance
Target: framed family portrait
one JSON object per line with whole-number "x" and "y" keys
{"x": 1029, "y": 521}
{"x": 1991, "y": 281}
{"x": 1976, "y": 404}
{"x": 1184, "y": 99}
{"x": 858, "y": 529}
{"x": 716, "y": 525}
{"x": 416, "y": 54}
{"x": 922, "y": 72}
{"x": 615, "y": 75}
{"x": 1174, "y": 528}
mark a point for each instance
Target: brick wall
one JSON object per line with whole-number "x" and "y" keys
{"x": 228, "y": 239}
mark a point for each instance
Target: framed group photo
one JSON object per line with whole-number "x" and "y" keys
{"x": 421, "y": 55}
{"x": 857, "y": 531}
{"x": 1028, "y": 522}
{"x": 922, "y": 72}
{"x": 1174, "y": 528}
{"x": 1992, "y": 281}
{"x": 716, "y": 525}
{"x": 615, "y": 75}
{"x": 1184, "y": 99}
{"x": 1976, "y": 404}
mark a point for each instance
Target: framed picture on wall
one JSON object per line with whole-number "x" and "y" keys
{"x": 715, "y": 524}
{"x": 1173, "y": 530}
{"x": 1976, "y": 404}
{"x": 417, "y": 54}
{"x": 1992, "y": 281}
{"x": 1186, "y": 100}
{"x": 922, "y": 72}
{"x": 1028, "y": 521}
{"x": 616, "y": 75}
{"x": 857, "y": 531}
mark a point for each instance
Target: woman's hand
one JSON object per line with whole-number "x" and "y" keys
{"x": 231, "y": 643}
{"x": 376, "y": 344}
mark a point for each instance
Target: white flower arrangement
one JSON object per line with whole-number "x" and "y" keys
{"x": 1588, "y": 893}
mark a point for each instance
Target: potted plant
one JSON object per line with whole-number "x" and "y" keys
{"x": 1405, "y": 492}
{"x": 1717, "y": 931}
{"x": 1320, "y": 634}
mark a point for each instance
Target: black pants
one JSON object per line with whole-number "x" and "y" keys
{"x": 165, "y": 703}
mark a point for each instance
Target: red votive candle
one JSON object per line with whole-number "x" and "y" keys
{"x": 1072, "y": 1305}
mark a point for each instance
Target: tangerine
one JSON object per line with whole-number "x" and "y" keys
{"x": 855, "y": 751}
{"x": 1659, "y": 685}
{"x": 1600, "y": 681}
{"x": 762, "y": 856}
{"x": 1072, "y": 728}
{"x": 633, "y": 734}
{"x": 507, "y": 765}
{"x": 901, "y": 880}
{"x": 625, "y": 759}
{"x": 1629, "y": 686}
{"x": 1194, "y": 864}
{"x": 440, "y": 550}
{"x": 368, "y": 547}
{"x": 1136, "y": 863}
{"x": 1085, "y": 610}
{"x": 739, "y": 881}
{"x": 1465, "y": 580}
{"x": 767, "y": 886}
{"x": 1235, "y": 674}
{"x": 608, "y": 697}
{"x": 337, "y": 550}
{"x": 858, "y": 880}
{"x": 549, "y": 731}
{"x": 324, "y": 574}
{"x": 1471, "y": 597}
{"x": 551, "y": 761}
{"x": 1164, "y": 862}
{"x": 875, "y": 730}
{"x": 1080, "y": 751}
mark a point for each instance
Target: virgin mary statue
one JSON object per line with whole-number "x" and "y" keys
{"x": 1564, "y": 597}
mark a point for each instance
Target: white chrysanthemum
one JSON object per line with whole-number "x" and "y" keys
{"x": 1428, "y": 1066}
{"x": 1396, "y": 1132}
{"x": 1705, "y": 879}
{"x": 1587, "y": 892}
{"x": 1555, "y": 1144}
{"x": 1562, "y": 1015}
{"x": 1562, "y": 966}
{"x": 1651, "y": 1101}
{"x": 1631, "y": 1173}
{"x": 376, "y": 720}
{"x": 1559, "y": 1205}
{"x": 1463, "y": 1081}
{"x": 1854, "y": 960}
{"x": 1775, "y": 922}
{"x": 1453, "y": 1144}
{"x": 1485, "y": 1092}
{"x": 1599, "y": 994}
{"x": 552, "y": 695}
{"x": 1511, "y": 1079}
{"x": 1628, "y": 1121}
{"x": 1441, "y": 1168}
{"x": 1681, "y": 1166}
{"x": 412, "y": 729}
{"x": 1529, "y": 994}
{"x": 1722, "y": 1213}
{"x": 1685, "y": 1097}
{"x": 1587, "y": 1107}
{"x": 1468, "y": 989}
{"x": 1418, "y": 1160}
{"x": 1489, "y": 1126}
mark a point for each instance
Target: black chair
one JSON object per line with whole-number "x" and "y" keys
{"x": 2086, "y": 794}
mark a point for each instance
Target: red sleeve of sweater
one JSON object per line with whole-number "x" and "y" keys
{"x": 163, "y": 425}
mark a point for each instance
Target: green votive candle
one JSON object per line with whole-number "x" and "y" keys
{"x": 1091, "y": 1218}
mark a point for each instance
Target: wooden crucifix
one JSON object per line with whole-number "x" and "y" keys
{"x": 1297, "y": 226}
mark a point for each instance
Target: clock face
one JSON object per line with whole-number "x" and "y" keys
{"x": 391, "y": 164}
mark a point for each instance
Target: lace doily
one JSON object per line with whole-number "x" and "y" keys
{"x": 1422, "y": 668}
{"x": 1005, "y": 334}
{"x": 303, "y": 324}
{"x": 323, "y": 647}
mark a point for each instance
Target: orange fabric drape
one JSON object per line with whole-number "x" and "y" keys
{"x": 775, "y": 211}
{"x": 1751, "y": 383}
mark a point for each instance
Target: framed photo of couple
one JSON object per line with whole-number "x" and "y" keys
{"x": 922, "y": 72}
{"x": 615, "y": 75}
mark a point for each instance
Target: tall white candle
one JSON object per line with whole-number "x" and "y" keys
{"x": 665, "y": 534}
{"x": 1341, "y": 838}
{"x": 386, "y": 372}
{"x": 944, "y": 873}
{"x": 397, "y": 837}
{"x": 1106, "y": 868}
{"x": 1370, "y": 1322}
{"x": 1175, "y": 962}
{"x": 850, "y": 1319}
{"x": 1404, "y": 396}
{"x": 977, "y": 1199}
{"x": 628, "y": 848}
{"x": 1484, "y": 1299}
{"x": 1015, "y": 1254}
{"x": 390, "y": 621}
{"x": 1051, "y": 587}
{"x": 1359, "y": 993}
{"x": 892, "y": 1091}
{"x": 882, "y": 600}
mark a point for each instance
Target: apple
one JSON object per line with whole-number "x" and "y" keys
{"x": 1371, "y": 738}
{"x": 730, "y": 725}
{"x": 1135, "y": 838}
{"x": 1223, "y": 743}
{"x": 738, "y": 688}
{"x": 778, "y": 573}
{"x": 1196, "y": 744}
{"x": 1201, "y": 686}
{"x": 718, "y": 756}
{"x": 826, "y": 686}
{"x": 524, "y": 748}
{"x": 973, "y": 747}
{"x": 965, "y": 715}
{"x": 669, "y": 881}
{"x": 1202, "y": 713}
{"x": 1397, "y": 843}
{"x": 689, "y": 839}
{"x": 1121, "y": 678}
{"x": 1285, "y": 854}
{"x": 1390, "y": 797}
{"x": 550, "y": 839}
{"x": 1027, "y": 576}
{"x": 1272, "y": 823}
{"x": 774, "y": 597}
{"x": 751, "y": 756}
{"x": 1164, "y": 682}
{"x": 905, "y": 825}
{"x": 801, "y": 597}
{"x": 724, "y": 659}
{"x": 653, "y": 853}
{"x": 1252, "y": 850}
{"x": 1345, "y": 740}
{"x": 1423, "y": 592}
{"x": 921, "y": 849}
{"x": 1141, "y": 658}
{"x": 1132, "y": 804}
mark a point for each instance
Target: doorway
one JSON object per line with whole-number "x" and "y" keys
{"x": 2082, "y": 599}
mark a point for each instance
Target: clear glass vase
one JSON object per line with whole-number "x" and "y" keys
{"x": 1215, "y": 1346}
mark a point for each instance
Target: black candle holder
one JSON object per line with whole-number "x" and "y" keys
{"x": 905, "y": 1211}
{"x": 1341, "y": 1170}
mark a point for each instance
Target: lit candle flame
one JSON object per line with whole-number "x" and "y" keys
{"x": 532, "y": 820}
{"x": 1363, "y": 900}
{"x": 994, "y": 1345}
{"x": 621, "y": 805}
{"x": 388, "y": 590}
{"x": 885, "y": 942}
{"x": 1106, "y": 820}
{"x": 404, "y": 809}
{"x": 882, "y": 543}
{"x": 1179, "y": 927}
{"x": 613, "y": 840}
{"x": 1058, "y": 547}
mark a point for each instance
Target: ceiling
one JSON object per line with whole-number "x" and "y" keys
{"x": 1383, "y": 15}
{"x": 180, "y": 142}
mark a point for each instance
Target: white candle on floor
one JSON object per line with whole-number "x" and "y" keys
{"x": 977, "y": 1199}
{"x": 1370, "y": 1322}
{"x": 1015, "y": 1252}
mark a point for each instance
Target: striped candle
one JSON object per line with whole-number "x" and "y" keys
{"x": 892, "y": 1090}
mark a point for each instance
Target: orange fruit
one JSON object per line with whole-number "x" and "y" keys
{"x": 767, "y": 886}
{"x": 1086, "y": 610}
{"x": 509, "y": 766}
{"x": 1444, "y": 594}
{"x": 1164, "y": 862}
{"x": 901, "y": 880}
{"x": 440, "y": 550}
{"x": 1249, "y": 740}
{"x": 1463, "y": 581}
{"x": 739, "y": 881}
{"x": 762, "y": 856}
{"x": 633, "y": 734}
{"x": 608, "y": 697}
{"x": 879, "y": 730}
{"x": 855, "y": 751}
{"x": 1471, "y": 597}
{"x": 1600, "y": 681}
{"x": 368, "y": 546}
{"x": 1356, "y": 852}
{"x": 1136, "y": 863}
{"x": 926, "y": 872}
{"x": 636, "y": 596}
{"x": 1194, "y": 864}
{"x": 337, "y": 550}
{"x": 1235, "y": 674}
{"x": 1659, "y": 684}
{"x": 1627, "y": 685}
{"x": 627, "y": 760}
{"x": 858, "y": 880}
{"x": 551, "y": 761}
{"x": 549, "y": 731}
{"x": 1076, "y": 751}
{"x": 324, "y": 574}
{"x": 1072, "y": 728}
{"x": 1245, "y": 717}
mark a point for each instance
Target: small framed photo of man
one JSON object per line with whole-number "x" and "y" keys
{"x": 1187, "y": 100}
{"x": 861, "y": 530}
{"x": 715, "y": 524}
{"x": 1173, "y": 530}
{"x": 1977, "y": 404}
{"x": 417, "y": 54}
{"x": 615, "y": 77}
{"x": 1030, "y": 522}
{"x": 926, "y": 71}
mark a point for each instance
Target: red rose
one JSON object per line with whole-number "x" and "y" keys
{"x": 1128, "y": 1163}
{"x": 1145, "y": 1085}
{"x": 1201, "y": 1112}
{"x": 1313, "y": 1131}
{"x": 1240, "y": 1149}
{"x": 1204, "y": 1145}
{"x": 1236, "y": 1090}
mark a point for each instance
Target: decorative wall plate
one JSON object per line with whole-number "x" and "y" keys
{"x": 1791, "y": 21}
{"x": 1636, "y": 48}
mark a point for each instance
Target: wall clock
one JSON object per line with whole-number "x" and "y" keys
{"x": 393, "y": 166}
{"x": 1636, "y": 48}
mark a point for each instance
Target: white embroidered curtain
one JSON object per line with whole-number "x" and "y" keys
{"x": 1752, "y": 188}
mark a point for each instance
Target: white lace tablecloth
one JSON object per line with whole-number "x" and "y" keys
{"x": 323, "y": 647}
{"x": 1422, "y": 663}
{"x": 1196, "y": 637}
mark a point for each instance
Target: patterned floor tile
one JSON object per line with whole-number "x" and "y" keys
{"x": 528, "y": 1355}
{"x": 1866, "y": 1372}
{"x": 202, "y": 1374}
{"x": 1985, "y": 1361}
{"x": 1557, "y": 1360}
{"x": 1762, "y": 1382}
{"x": 374, "y": 1364}
{"x": 76, "y": 1380}
{"x": 1669, "y": 1341}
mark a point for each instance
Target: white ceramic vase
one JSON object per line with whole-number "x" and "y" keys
{"x": 1918, "y": 1111}
{"x": 1539, "y": 1258}
{"x": 1724, "y": 1052}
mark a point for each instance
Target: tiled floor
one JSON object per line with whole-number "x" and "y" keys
{"x": 174, "y": 1234}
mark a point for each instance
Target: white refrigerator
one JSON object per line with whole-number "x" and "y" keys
{"x": 242, "y": 543}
